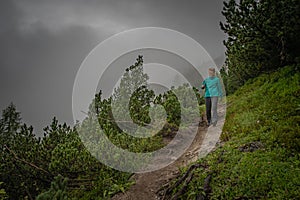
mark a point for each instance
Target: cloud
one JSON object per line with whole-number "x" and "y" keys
{"x": 57, "y": 16}
{"x": 43, "y": 43}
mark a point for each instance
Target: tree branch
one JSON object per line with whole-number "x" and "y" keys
{"x": 24, "y": 161}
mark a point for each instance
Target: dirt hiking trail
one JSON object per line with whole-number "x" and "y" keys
{"x": 147, "y": 184}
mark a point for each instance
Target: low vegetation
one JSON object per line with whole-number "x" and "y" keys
{"x": 258, "y": 157}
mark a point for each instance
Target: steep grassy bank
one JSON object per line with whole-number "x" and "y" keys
{"x": 259, "y": 155}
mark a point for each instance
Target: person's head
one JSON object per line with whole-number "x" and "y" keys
{"x": 211, "y": 72}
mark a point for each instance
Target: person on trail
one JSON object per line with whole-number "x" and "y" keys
{"x": 213, "y": 91}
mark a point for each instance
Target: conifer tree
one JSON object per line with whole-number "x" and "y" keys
{"x": 263, "y": 35}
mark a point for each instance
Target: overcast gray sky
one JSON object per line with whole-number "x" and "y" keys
{"x": 43, "y": 43}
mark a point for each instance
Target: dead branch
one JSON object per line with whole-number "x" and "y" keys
{"x": 186, "y": 178}
{"x": 24, "y": 161}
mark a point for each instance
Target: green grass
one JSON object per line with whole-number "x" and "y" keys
{"x": 265, "y": 111}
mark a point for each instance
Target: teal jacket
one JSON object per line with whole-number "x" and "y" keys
{"x": 212, "y": 87}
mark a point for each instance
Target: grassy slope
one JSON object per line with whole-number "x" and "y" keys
{"x": 263, "y": 117}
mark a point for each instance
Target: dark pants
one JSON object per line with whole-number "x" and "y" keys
{"x": 211, "y": 104}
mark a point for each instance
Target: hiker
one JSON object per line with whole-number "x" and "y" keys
{"x": 213, "y": 91}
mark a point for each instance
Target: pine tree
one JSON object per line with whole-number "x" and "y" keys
{"x": 57, "y": 191}
{"x": 133, "y": 87}
{"x": 263, "y": 35}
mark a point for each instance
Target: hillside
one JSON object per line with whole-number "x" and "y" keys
{"x": 258, "y": 157}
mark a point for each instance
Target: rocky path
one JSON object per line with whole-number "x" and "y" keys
{"x": 147, "y": 184}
